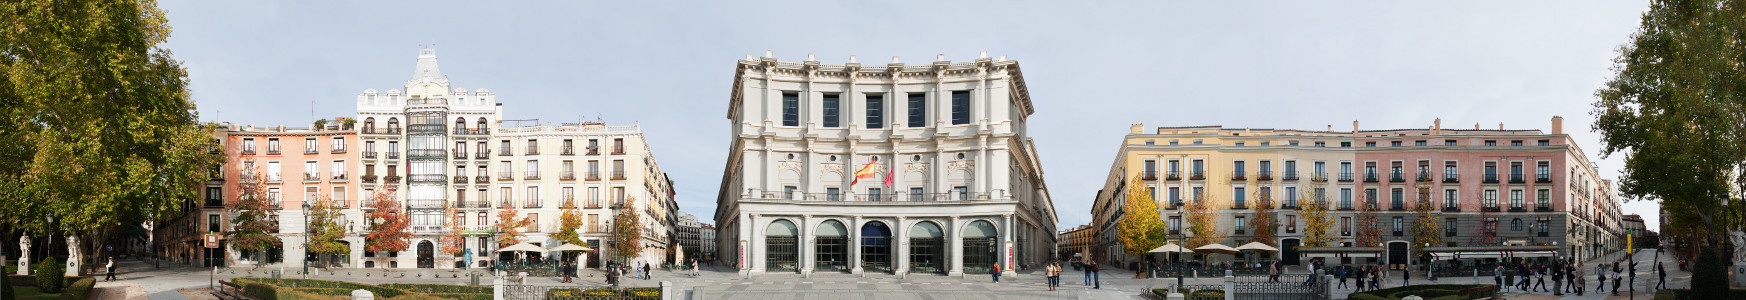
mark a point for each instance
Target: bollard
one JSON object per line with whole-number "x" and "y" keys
{"x": 497, "y": 288}
{"x": 667, "y": 290}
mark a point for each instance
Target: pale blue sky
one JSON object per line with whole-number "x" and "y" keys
{"x": 1092, "y": 69}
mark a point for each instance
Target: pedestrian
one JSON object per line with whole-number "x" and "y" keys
{"x": 1342, "y": 273}
{"x": 1600, "y": 274}
{"x": 1376, "y": 277}
{"x": 694, "y": 272}
{"x": 1557, "y": 280}
{"x": 995, "y": 271}
{"x": 1087, "y": 269}
{"x": 1570, "y": 271}
{"x": 1540, "y": 278}
{"x": 1096, "y": 281}
{"x": 1581, "y": 282}
{"x": 1618, "y": 275}
{"x": 1406, "y": 277}
{"x": 1358, "y": 276}
{"x": 1527, "y": 277}
{"x": 648, "y": 271}
{"x": 1273, "y": 272}
{"x": 1497, "y": 274}
{"x": 1052, "y": 275}
{"x": 1633, "y": 274}
{"x": 111, "y": 268}
{"x": 1661, "y": 270}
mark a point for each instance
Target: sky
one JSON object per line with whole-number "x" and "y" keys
{"x": 1092, "y": 68}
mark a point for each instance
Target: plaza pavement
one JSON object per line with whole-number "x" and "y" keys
{"x": 139, "y": 280}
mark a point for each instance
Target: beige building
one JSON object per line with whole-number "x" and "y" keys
{"x": 598, "y": 168}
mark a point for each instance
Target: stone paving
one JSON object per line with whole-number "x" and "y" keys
{"x": 140, "y": 280}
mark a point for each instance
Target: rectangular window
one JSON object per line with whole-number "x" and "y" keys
{"x": 1175, "y": 196}
{"x": 918, "y": 110}
{"x": 1545, "y": 142}
{"x": 533, "y": 222}
{"x": 1419, "y": 143}
{"x": 1175, "y": 225}
{"x": 1345, "y": 198}
{"x": 339, "y": 169}
{"x": 873, "y": 194}
{"x": 788, "y": 192}
{"x": 1238, "y": 196}
{"x": 876, "y": 111}
{"x": 832, "y": 194}
{"x": 1516, "y": 143}
{"x": 960, "y": 107}
{"x": 618, "y": 196}
{"x": 311, "y": 171}
{"x": 593, "y": 197}
{"x": 790, "y": 109}
{"x": 1543, "y": 198}
{"x": 1291, "y": 196}
{"x": 1450, "y": 199}
{"x": 1490, "y": 143}
{"x": 503, "y": 194}
{"x": 309, "y": 146}
{"x": 915, "y": 194}
{"x": 1240, "y": 224}
{"x": 1237, "y": 169}
{"x": 1490, "y": 198}
{"x": 1290, "y": 223}
{"x": 963, "y": 192}
{"x": 1198, "y": 195}
{"x": 1399, "y": 226}
{"x": 1449, "y": 227}
{"x": 1370, "y": 198}
{"x": 1396, "y": 200}
{"x": 569, "y": 196}
{"x": 533, "y": 197}
{"x": 1345, "y": 226}
{"x": 1544, "y": 226}
{"x": 1448, "y": 142}
{"x": 832, "y": 107}
{"x": 339, "y": 144}
{"x": 1515, "y": 199}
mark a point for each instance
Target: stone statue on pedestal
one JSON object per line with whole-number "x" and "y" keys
{"x": 74, "y": 257}
{"x": 24, "y": 255}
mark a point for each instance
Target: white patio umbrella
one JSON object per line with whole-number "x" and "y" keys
{"x": 570, "y": 247}
{"x": 1170, "y": 248}
{"x": 1257, "y": 246}
{"x": 1216, "y": 248}
{"x": 522, "y": 247}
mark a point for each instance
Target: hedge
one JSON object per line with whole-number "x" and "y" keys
{"x": 439, "y": 288}
{"x": 460, "y": 296}
{"x": 79, "y": 289}
{"x": 1682, "y": 294}
{"x": 379, "y": 292}
{"x": 310, "y": 289}
{"x": 1427, "y": 291}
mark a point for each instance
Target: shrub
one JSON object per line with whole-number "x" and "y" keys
{"x": 21, "y": 280}
{"x": 1709, "y": 277}
{"x": 326, "y": 291}
{"x": 461, "y": 296}
{"x": 1209, "y": 293}
{"x": 439, "y": 288}
{"x": 79, "y": 289}
{"x": 1362, "y": 296}
{"x": 48, "y": 276}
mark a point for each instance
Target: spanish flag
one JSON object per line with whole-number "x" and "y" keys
{"x": 864, "y": 172}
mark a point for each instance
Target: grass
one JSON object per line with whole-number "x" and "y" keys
{"x": 31, "y": 293}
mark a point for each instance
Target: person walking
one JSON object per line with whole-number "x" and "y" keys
{"x": 1087, "y": 269}
{"x": 995, "y": 271}
{"x": 1570, "y": 272}
{"x": 1497, "y": 274}
{"x": 1580, "y": 281}
{"x": 1661, "y": 270}
{"x": 1600, "y": 274}
{"x": 111, "y": 268}
{"x": 694, "y": 272}
{"x": 1632, "y": 274}
{"x": 1557, "y": 279}
{"x": 1052, "y": 275}
{"x": 1341, "y": 271}
{"x": 1406, "y": 277}
{"x": 1273, "y": 272}
{"x": 1618, "y": 275}
{"x": 1527, "y": 277}
{"x": 1358, "y": 274}
{"x": 1096, "y": 281}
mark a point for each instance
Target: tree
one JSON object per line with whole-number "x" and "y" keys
{"x": 1264, "y": 224}
{"x": 452, "y": 240}
{"x": 387, "y": 223}
{"x": 1427, "y": 227}
{"x": 100, "y": 130}
{"x": 251, "y": 228}
{"x": 1487, "y": 235}
{"x": 509, "y": 223}
{"x": 1317, "y": 221}
{"x": 1369, "y": 227}
{"x": 1140, "y": 228}
{"x": 1203, "y": 222}
{"x": 325, "y": 230}
{"x": 1673, "y": 108}
{"x": 569, "y": 224}
{"x": 627, "y": 233}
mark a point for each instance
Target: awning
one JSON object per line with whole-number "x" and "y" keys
{"x": 1321, "y": 255}
{"x": 1533, "y": 254}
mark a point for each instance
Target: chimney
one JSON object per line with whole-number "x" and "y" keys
{"x": 1500, "y": 126}
{"x": 1354, "y": 126}
{"x": 1437, "y": 126}
{"x": 769, "y": 54}
{"x": 1557, "y": 125}
{"x": 1137, "y": 128}
{"x": 1475, "y": 126}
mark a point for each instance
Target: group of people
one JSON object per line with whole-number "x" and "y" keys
{"x": 1052, "y": 273}
{"x": 1373, "y": 273}
{"x": 1567, "y": 277}
{"x": 614, "y": 271}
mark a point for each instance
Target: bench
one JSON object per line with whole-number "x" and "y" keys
{"x": 235, "y": 290}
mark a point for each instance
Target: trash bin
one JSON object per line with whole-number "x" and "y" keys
{"x": 276, "y": 274}
{"x": 475, "y": 276}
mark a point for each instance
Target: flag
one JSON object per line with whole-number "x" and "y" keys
{"x": 864, "y": 172}
{"x": 887, "y": 178}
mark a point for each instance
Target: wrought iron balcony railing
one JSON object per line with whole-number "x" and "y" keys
{"x": 1173, "y": 175}
{"x": 1149, "y": 175}
{"x": 1370, "y": 177}
{"x": 1396, "y": 176}
{"x": 1424, "y": 176}
{"x": 567, "y": 175}
{"x": 1490, "y": 177}
{"x": 533, "y": 175}
{"x": 1516, "y": 178}
{"x": 1197, "y": 175}
{"x": 1452, "y": 177}
{"x": 1238, "y": 176}
{"x": 1543, "y": 178}
{"x": 593, "y": 176}
{"x": 567, "y": 151}
{"x": 461, "y": 179}
{"x": 1264, "y": 175}
{"x": 617, "y": 175}
{"x": 505, "y": 176}
{"x": 481, "y": 179}
{"x": 1288, "y": 176}
{"x": 393, "y": 155}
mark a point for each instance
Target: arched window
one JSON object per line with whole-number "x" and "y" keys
{"x": 481, "y": 126}
{"x": 1516, "y": 224}
{"x": 831, "y": 247}
{"x": 460, "y": 125}
{"x": 876, "y": 247}
{"x": 370, "y": 125}
{"x": 781, "y": 247}
{"x": 979, "y": 249}
{"x": 925, "y": 244}
{"x": 393, "y": 125}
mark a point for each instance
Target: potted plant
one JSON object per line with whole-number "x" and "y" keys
{"x": 320, "y": 124}
{"x": 369, "y": 177}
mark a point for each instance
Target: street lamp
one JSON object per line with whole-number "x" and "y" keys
{"x": 306, "y": 239}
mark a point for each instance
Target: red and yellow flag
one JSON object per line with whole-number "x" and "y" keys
{"x": 864, "y": 172}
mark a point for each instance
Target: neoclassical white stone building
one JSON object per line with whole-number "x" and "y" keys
{"x": 952, "y": 183}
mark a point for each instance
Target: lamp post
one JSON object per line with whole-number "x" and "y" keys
{"x": 306, "y": 239}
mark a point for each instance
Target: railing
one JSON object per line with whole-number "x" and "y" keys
{"x": 248, "y": 152}
{"x": 593, "y": 176}
{"x": 369, "y": 155}
{"x": 369, "y": 178}
{"x": 1452, "y": 177}
{"x": 338, "y": 151}
{"x": 1346, "y": 177}
{"x": 310, "y": 151}
{"x": 1451, "y": 209}
{"x": 311, "y": 178}
{"x": 1518, "y": 209}
{"x": 426, "y": 178}
{"x": 475, "y": 204}
{"x": 618, "y": 151}
{"x": 533, "y": 175}
{"x": 567, "y": 175}
{"x": 532, "y": 203}
{"x": 272, "y": 151}
{"x": 1543, "y": 178}
{"x": 1288, "y": 176}
{"x": 567, "y": 151}
{"x": 1197, "y": 175}
{"x": 895, "y": 198}
{"x": 1264, "y": 175}
{"x": 504, "y": 152}
{"x": 1370, "y": 177}
{"x": 393, "y": 155}
{"x": 1424, "y": 176}
{"x": 617, "y": 175}
{"x": 460, "y": 179}
{"x": 1490, "y": 178}
{"x": 460, "y": 154}
{"x": 1320, "y": 177}
{"x": 478, "y": 131}
{"x": 1543, "y": 208}
{"x": 1490, "y": 209}
{"x": 1149, "y": 175}
{"x": 393, "y": 131}
{"x": 1238, "y": 176}
{"x": 425, "y": 203}
{"x": 1396, "y": 176}
{"x": 481, "y": 179}
{"x": 1516, "y": 178}
{"x": 533, "y": 151}
{"x": 593, "y": 150}
{"x": 1173, "y": 175}
{"x": 505, "y": 176}
{"x": 338, "y": 178}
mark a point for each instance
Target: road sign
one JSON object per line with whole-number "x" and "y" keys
{"x": 211, "y": 240}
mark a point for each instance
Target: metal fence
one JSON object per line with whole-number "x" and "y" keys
{"x": 1287, "y": 287}
{"x": 533, "y": 292}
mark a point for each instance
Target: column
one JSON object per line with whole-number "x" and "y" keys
{"x": 1006, "y": 256}
{"x": 981, "y": 166}
{"x": 955, "y": 246}
{"x": 855, "y": 247}
{"x": 805, "y": 242}
{"x": 751, "y": 241}
{"x": 900, "y": 247}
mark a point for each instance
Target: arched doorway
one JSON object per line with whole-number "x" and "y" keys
{"x": 979, "y": 247}
{"x": 1288, "y": 252}
{"x": 875, "y": 247}
{"x": 1397, "y": 254}
{"x": 426, "y": 255}
{"x": 831, "y": 249}
{"x": 781, "y": 249}
{"x": 926, "y": 243}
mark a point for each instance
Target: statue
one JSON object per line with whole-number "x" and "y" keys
{"x": 24, "y": 255}
{"x": 73, "y": 256}
{"x": 1738, "y": 238}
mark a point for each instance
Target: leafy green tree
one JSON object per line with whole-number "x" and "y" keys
{"x": 1674, "y": 109}
{"x": 99, "y": 127}
{"x": 1203, "y": 222}
{"x": 251, "y": 228}
{"x": 1140, "y": 229}
{"x": 325, "y": 230}
{"x": 1427, "y": 227}
{"x": 1316, "y": 220}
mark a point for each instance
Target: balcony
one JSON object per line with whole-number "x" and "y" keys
{"x": 1288, "y": 176}
{"x": 1451, "y": 209}
{"x": 1543, "y": 179}
{"x": 311, "y": 178}
{"x": 1319, "y": 177}
{"x": 617, "y": 175}
{"x": 533, "y": 151}
{"x": 369, "y": 178}
{"x": 369, "y": 155}
{"x": 505, "y": 176}
{"x": 1173, "y": 175}
{"x": 504, "y": 152}
{"x": 311, "y": 151}
{"x": 567, "y": 175}
{"x": 1490, "y": 209}
{"x": 482, "y": 154}
{"x": 1346, "y": 177}
{"x": 1452, "y": 177}
{"x": 338, "y": 151}
{"x": 1424, "y": 176}
{"x": 1490, "y": 178}
{"x": 476, "y": 131}
{"x": 273, "y": 151}
{"x": 1264, "y": 175}
{"x": 1449, "y": 233}
{"x": 1239, "y": 176}
{"x": 461, "y": 179}
{"x": 426, "y": 178}
{"x": 426, "y": 203}
{"x": 338, "y": 178}
{"x": 1518, "y": 209}
{"x": 475, "y": 204}
{"x": 1197, "y": 175}
{"x": 1517, "y": 178}
{"x": 1396, "y": 176}
{"x": 391, "y": 179}
{"x": 618, "y": 151}
{"x": 481, "y": 179}
{"x": 1399, "y": 233}
{"x": 592, "y": 150}
{"x": 567, "y": 151}
{"x": 532, "y": 203}
{"x": 593, "y": 176}
{"x": 1543, "y": 208}
{"x": 460, "y": 154}
{"x": 1370, "y": 177}
{"x": 532, "y": 175}
{"x": 392, "y": 131}
{"x": 212, "y": 203}
{"x": 393, "y": 155}
{"x": 1149, "y": 175}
